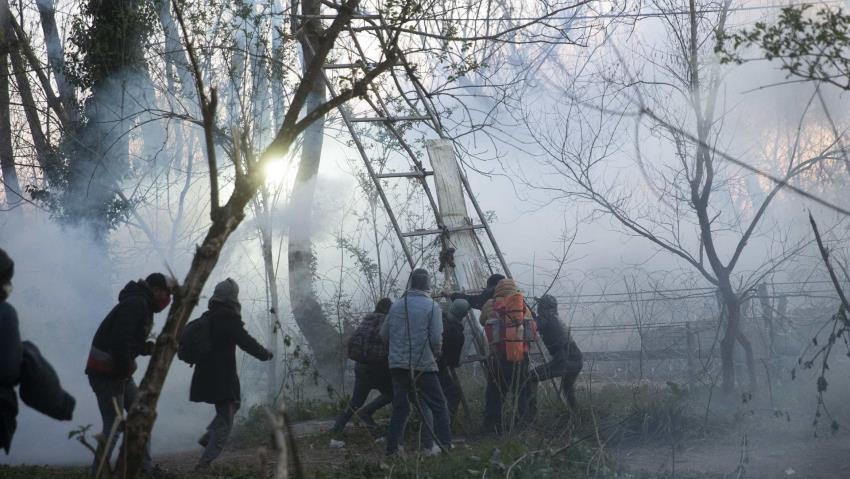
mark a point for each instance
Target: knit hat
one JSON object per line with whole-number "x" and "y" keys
{"x": 157, "y": 280}
{"x": 494, "y": 279}
{"x": 227, "y": 293}
{"x": 420, "y": 280}
{"x": 7, "y": 268}
{"x": 547, "y": 304}
{"x": 459, "y": 308}
{"x": 383, "y": 306}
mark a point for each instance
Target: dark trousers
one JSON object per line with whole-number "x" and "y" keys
{"x": 109, "y": 392}
{"x": 559, "y": 366}
{"x": 366, "y": 378}
{"x": 218, "y": 431}
{"x": 422, "y": 388}
{"x": 451, "y": 390}
{"x": 503, "y": 378}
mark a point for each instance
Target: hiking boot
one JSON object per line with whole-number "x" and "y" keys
{"x": 397, "y": 454}
{"x": 432, "y": 451}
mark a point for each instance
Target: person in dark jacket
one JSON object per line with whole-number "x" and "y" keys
{"x": 11, "y": 354}
{"x": 21, "y": 363}
{"x": 565, "y": 356}
{"x": 366, "y": 378}
{"x": 476, "y": 301}
{"x": 453, "y": 340}
{"x": 121, "y": 337}
{"x": 215, "y": 380}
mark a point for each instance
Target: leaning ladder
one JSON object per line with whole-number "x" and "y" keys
{"x": 419, "y": 101}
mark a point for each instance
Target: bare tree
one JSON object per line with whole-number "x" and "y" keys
{"x": 684, "y": 206}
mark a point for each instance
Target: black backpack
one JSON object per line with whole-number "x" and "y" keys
{"x": 196, "y": 341}
{"x": 453, "y": 340}
{"x": 366, "y": 344}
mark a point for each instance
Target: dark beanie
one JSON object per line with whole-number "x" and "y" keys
{"x": 547, "y": 304}
{"x": 493, "y": 280}
{"x": 157, "y": 280}
{"x": 7, "y": 268}
{"x": 420, "y": 280}
{"x": 383, "y": 306}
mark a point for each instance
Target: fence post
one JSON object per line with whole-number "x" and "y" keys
{"x": 689, "y": 337}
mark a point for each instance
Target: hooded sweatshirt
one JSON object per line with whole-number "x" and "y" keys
{"x": 121, "y": 336}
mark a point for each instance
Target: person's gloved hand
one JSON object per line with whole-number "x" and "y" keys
{"x": 269, "y": 356}
{"x": 147, "y": 350}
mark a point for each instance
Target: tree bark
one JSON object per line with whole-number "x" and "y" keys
{"x": 56, "y": 58}
{"x": 264, "y": 221}
{"x": 306, "y": 308}
{"x": 45, "y": 156}
{"x": 11, "y": 186}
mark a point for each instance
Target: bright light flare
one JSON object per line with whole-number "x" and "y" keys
{"x": 276, "y": 171}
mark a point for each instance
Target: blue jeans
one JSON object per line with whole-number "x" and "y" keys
{"x": 366, "y": 378}
{"x": 424, "y": 386}
{"x": 218, "y": 431}
{"x": 124, "y": 392}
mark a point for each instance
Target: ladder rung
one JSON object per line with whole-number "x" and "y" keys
{"x": 390, "y": 118}
{"x": 333, "y": 66}
{"x": 409, "y": 174}
{"x": 452, "y": 229}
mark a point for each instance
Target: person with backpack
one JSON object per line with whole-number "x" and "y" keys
{"x": 476, "y": 301}
{"x": 369, "y": 352}
{"x": 509, "y": 328}
{"x": 565, "y": 356}
{"x": 21, "y": 364}
{"x": 215, "y": 380}
{"x": 453, "y": 341}
{"x": 414, "y": 330}
{"x": 121, "y": 337}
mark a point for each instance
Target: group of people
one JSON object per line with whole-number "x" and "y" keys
{"x": 408, "y": 350}
{"x": 120, "y": 339}
{"x": 123, "y": 336}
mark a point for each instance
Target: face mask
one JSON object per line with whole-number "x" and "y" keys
{"x": 162, "y": 304}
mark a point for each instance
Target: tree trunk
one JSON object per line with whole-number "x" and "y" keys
{"x": 306, "y": 308}
{"x": 733, "y": 334}
{"x": 56, "y": 57}
{"x": 99, "y": 153}
{"x": 264, "y": 221}
{"x": 45, "y": 157}
{"x": 11, "y": 187}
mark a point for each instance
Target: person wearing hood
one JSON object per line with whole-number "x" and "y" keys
{"x": 121, "y": 337}
{"x": 453, "y": 341}
{"x": 477, "y": 301}
{"x": 368, "y": 377}
{"x": 21, "y": 364}
{"x": 565, "y": 356}
{"x": 215, "y": 380}
{"x": 414, "y": 331}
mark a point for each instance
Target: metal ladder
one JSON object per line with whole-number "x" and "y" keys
{"x": 378, "y": 26}
{"x": 380, "y": 113}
